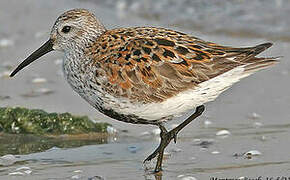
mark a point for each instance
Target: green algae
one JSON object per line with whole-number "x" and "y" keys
{"x": 19, "y": 120}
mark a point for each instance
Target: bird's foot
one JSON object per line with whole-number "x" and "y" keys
{"x": 166, "y": 138}
{"x": 153, "y": 155}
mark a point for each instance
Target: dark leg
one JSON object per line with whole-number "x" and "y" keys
{"x": 166, "y": 137}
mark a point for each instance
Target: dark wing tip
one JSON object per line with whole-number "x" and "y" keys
{"x": 262, "y": 47}
{"x": 266, "y": 45}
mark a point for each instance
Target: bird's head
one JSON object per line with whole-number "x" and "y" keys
{"x": 74, "y": 29}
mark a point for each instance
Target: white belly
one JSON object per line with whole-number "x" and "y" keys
{"x": 184, "y": 101}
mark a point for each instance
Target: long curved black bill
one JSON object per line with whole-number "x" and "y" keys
{"x": 45, "y": 48}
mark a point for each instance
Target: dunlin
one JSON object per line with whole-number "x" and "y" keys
{"x": 145, "y": 75}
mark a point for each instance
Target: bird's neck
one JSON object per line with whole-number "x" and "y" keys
{"x": 74, "y": 60}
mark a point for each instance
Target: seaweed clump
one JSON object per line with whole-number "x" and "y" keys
{"x": 18, "y": 120}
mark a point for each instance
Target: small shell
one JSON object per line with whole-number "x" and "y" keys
{"x": 78, "y": 171}
{"x": 252, "y": 153}
{"x": 39, "y": 80}
{"x": 255, "y": 115}
{"x": 78, "y": 176}
{"x": 16, "y": 173}
{"x": 23, "y": 168}
{"x": 186, "y": 177}
{"x": 207, "y": 123}
{"x": 44, "y": 91}
{"x": 257, "y": 124}
{"x": 4, "y": 43}
{"x": 223, "y": 133}
{"x": 215, "y": 152}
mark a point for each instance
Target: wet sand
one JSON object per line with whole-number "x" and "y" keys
{"x": 255, "y": 111}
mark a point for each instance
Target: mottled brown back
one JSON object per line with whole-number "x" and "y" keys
{"x": 148, "y": 64}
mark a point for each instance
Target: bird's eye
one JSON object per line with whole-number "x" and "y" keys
{"x": 66, "y": 29}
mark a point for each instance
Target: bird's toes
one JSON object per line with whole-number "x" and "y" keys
{"x": 150, "y": 157}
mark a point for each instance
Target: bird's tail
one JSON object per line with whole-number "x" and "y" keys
{"x": 253, "y": 63}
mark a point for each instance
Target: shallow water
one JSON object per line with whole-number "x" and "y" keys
{"x": 254, "y": 111}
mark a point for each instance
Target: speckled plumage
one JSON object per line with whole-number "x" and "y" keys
{"x": 137, "y": 69}
{"x": 145, "y": 75}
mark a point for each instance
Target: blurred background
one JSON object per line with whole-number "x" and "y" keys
{"x": 244, "y": 133}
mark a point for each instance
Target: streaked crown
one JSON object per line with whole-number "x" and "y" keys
{"x": 75, "y": 28}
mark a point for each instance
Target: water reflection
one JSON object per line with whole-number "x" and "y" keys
{"x": 26, "y": 144}
{"x": 152, "y": 176}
